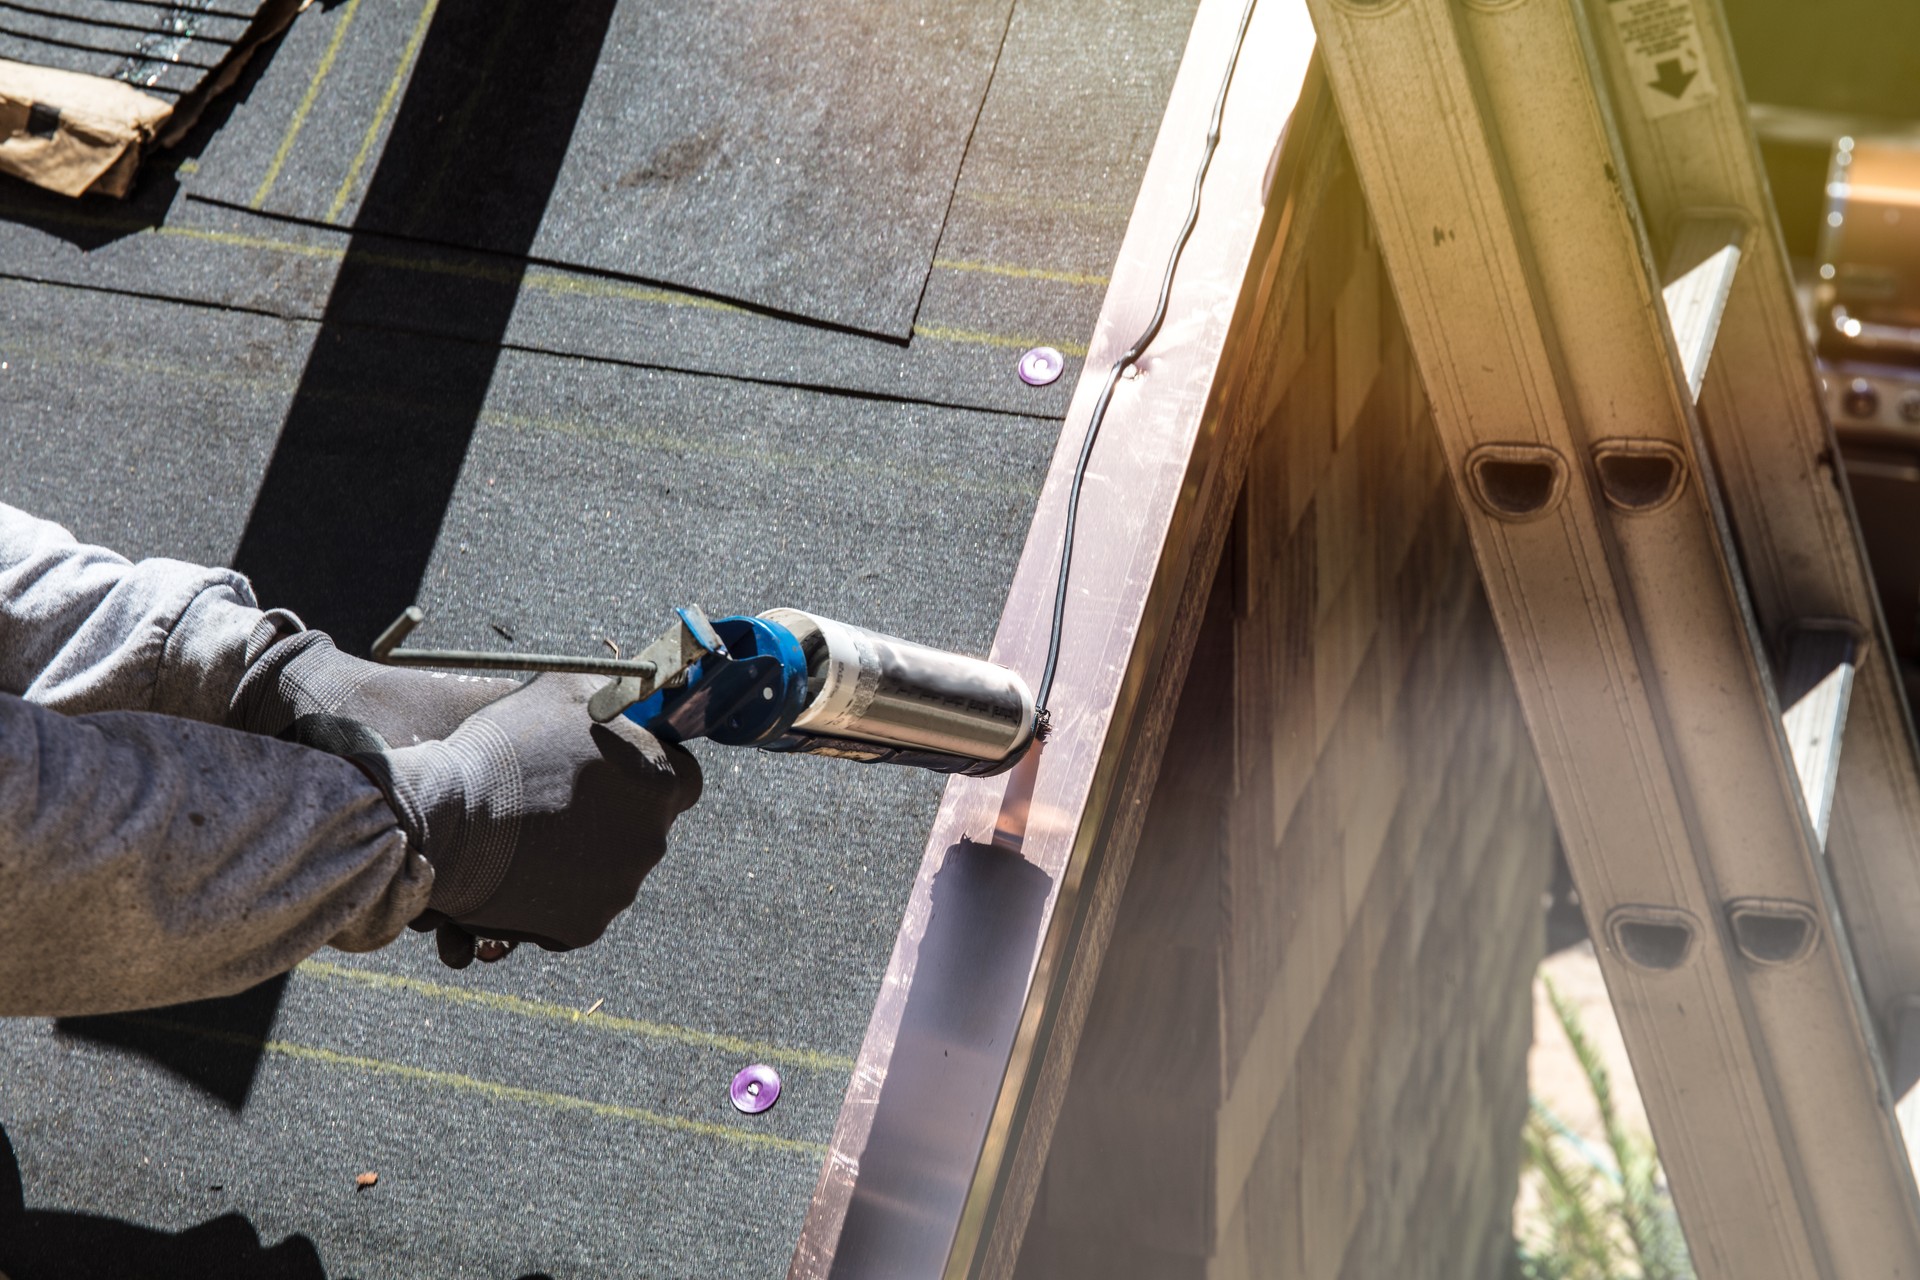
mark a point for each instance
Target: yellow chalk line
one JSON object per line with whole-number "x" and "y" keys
{"x": 546, "y": 280}
{"x": 939, "y": 333}
{"x": 59, "y": 355}
{"x": 706, "y": 447}
{"x": 545, "y": 1098}
{"x": 805, "y": 1058}
{"x": 1019, "y": 273}
{"x": 306, "y": 105}
{"x": 495, "y": 1090}
{"x": 418, "y": 34}
{"x": 559, "y": 282}
{"x": 235, "y": 240}
{"x": 593, "y": 287}
{"x": 1045, "y": 204}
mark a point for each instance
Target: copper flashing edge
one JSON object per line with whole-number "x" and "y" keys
{"x": 944, "y": 1129}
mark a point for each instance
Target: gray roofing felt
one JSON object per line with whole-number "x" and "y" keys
{"x": 798, "y": 155}
{"x": 977, "y": 321}
{"x": 360, "y": 420}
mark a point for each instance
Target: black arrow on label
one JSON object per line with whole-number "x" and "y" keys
{"x": 1673, "y": 80}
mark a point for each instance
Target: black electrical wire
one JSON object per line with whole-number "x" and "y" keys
{"x": 1128, "y": 359}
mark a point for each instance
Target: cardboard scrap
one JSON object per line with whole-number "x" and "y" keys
{"x": 73, "y": 133}
{"x": 76, "y": 133}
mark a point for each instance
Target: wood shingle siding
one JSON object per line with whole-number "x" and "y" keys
{"x": 1306, "y": 1055}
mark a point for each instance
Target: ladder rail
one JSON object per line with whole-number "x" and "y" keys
{"x": 1638, "y": 660}
{"x": 1767, "y": 426}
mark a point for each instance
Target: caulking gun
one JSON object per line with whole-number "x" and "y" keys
{"x": 789, "y": 681}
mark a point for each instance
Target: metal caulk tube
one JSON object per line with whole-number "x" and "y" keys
{"x": 876, "y": 688}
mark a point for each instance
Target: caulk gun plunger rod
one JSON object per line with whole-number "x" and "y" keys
{"x": 386, "y": 649}
{"x": 478, "y": 661}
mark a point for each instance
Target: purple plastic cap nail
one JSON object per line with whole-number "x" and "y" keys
{"x": 755, "y": 1089}
{"x": 1040, "y": 366}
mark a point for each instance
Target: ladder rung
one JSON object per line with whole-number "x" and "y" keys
{"x": 1699, "y": 276}
{"x": 1815, "y": 689}
{"x": 1906, "y": 1076}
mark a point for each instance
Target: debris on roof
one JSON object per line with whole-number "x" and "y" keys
{"x": 88, "y": 90}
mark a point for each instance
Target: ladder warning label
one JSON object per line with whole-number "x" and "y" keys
{"x": 1663, "y": 54}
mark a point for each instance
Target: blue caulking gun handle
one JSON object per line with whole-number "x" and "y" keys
{"x": 747, "y": 691}
{"x": 754, "y": 690}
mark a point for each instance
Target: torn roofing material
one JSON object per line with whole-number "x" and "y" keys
{"x": 796, "y": 157}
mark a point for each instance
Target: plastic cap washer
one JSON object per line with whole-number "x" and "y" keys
{"x": 1041, "y": 366}
{"x": 755, "y": 1089}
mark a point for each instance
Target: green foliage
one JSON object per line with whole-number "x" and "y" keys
{"x": 1595, "y": 1223}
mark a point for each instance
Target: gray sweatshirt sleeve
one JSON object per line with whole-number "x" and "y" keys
{"x": 146, "y": 860}
{"x": 83, "y": 629}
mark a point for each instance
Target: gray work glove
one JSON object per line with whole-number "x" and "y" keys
{"x": 305, "y": 675}
{"x": 539, "y": 823}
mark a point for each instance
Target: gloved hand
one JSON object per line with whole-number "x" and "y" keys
{"x": 539, "y": 823}
{"x": 306, "y": 675}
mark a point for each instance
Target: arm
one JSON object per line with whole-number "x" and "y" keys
{"x": 83, "y": 629}
{"x": 147, "y": 860}
{"x": 541, "y": 823}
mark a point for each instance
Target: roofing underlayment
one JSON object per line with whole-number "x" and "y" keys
{"x": 376, "y": 333}
{"x": 799, "y": 156}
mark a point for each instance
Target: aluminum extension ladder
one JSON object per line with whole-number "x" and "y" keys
{"x": 1572, "y": 212}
